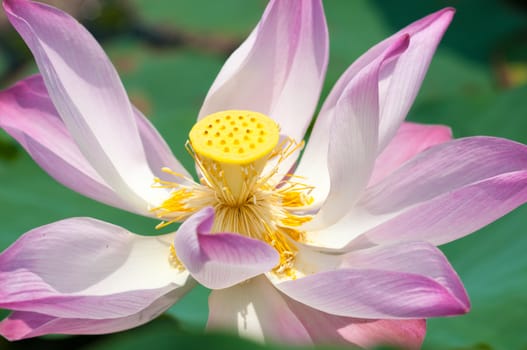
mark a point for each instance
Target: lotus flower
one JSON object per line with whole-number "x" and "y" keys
{"x": 338, "y": 246}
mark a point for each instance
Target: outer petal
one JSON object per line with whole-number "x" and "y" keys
{"x": 411, "y": 139}
{"x": 259, "y": 311}
{"x": 88, "y": 95}
{"x": 442, "y": 194}
{"x": 398, "y": 85}
{"x": 279, "y": 69}
{"x": 384, "y": 282}
{"x": 23, "y": 325}
{"x": 28, "y": 115}
{"x": 83, "y": 268}
{"x": 220, "y": 260}
{"x": 354, "y": 136}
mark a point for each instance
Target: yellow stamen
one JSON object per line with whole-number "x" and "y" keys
{"x": 295, "y": 194}
{"x": 173, "y": 259}
{"x": 286, "y": 251}
{"x": 176, "y": 206}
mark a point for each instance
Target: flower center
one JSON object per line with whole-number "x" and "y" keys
{"x": 231, "y": 149}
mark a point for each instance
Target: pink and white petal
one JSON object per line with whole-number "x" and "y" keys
{"x": 401, "y": 257}
{"x": 440, "y": 195}
{"x": 401, "y": 82}
{"x": 373, "y": 294}
{"x": 448, "y": 191}
{"x": 432, "y": 27}
{"x": 23, "y": 325}
{"x": 324, "y": 328}
{"x": 28, "y": 115}
{"x": 422, "y": 26}
{"x": 84, "y": 268}
{"x": 410, "y": 139}
{"x": 279, "y": 69}
{"x": 220, "y": 260}
{"x": 384, "y": 282}
{"x": 405, "y": 75}
{"x": 88, "y": 95}
{"x": 352, "y": 148}
{"x": 258, "y": 311}
{"x": 455, "y": 214}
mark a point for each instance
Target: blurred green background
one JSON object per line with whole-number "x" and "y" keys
{"x": 168, "y": 53}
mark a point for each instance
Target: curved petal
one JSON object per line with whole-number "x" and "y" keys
{"x": 279, "y": 69}
{"x": 402, "y": 257}
{"x": 22, "y": 325}
{"x": 220, "y": 260}
{"x": 384, "y": 282}
{"x": 258, "y": 311}
{"x": 425, "y": 35}
{"x": 88, "y": 95}
{"x": 442, "y": 194}
{"x": 398, "y": 84}
{"x": 352, "y": 148}
{"x": 28, "y": 115}
{"x": 88, "y": 269}
{"x": 411, "y": 139}
{"x": 401, "y": 83}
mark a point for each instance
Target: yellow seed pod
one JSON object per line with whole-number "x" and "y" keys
{"x": 234, "y": 137}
